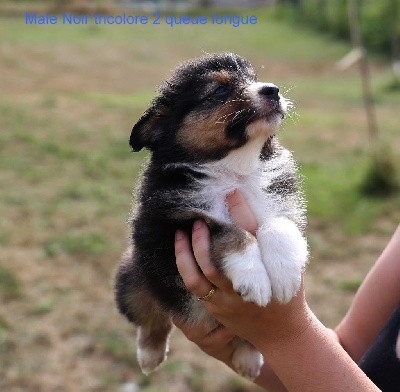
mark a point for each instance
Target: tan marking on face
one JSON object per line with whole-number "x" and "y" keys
{"x": 204, "y": 132}
{"x": 201, "y": 134}
{"x": 222, "y": 77}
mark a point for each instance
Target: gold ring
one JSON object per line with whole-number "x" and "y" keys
{"x": 208, "y": 296}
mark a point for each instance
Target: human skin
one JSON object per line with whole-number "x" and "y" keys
{"x": 373, "y": 303}
{"x": 301, "y": 354}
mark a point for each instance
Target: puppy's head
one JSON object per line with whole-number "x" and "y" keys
{"x": 210, "y": 106}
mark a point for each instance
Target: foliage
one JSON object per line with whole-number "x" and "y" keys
{"x": 380, "y": 179}
{"x": 379, "y": 20}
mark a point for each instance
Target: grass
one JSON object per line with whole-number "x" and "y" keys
{"x": 76, "y": 244}
{"x": 118, "y": 346}
{"x": 70, "y": 98}
{"x": 350, "y": 285}
{"x": 43, "y": 308}
{"x": 115, "y": 101}
{"x": 333, "y": 193}
{"x": 10, "y": 286}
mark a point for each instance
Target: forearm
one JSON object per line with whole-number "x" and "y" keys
{"x": 269, "y": 380}
{"x": 310, "y": 359}
{"x": 374, "y": 302}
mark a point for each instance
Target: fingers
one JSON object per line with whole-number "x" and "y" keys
{"x": 201, "y": 250}
{"x": 240, "y": 212}
{"x": 196, "y": 268}
{"x": 190, "y": 272}
{"x": 206, "y": 340}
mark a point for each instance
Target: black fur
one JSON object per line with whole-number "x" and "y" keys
{"x": 153, "y": 230}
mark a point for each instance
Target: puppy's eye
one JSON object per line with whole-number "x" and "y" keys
{"x": 221, "y": 90}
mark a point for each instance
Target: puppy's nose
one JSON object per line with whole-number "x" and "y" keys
{"x": 270, "y": 91}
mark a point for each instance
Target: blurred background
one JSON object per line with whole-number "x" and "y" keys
{"x": 69, "y": 95}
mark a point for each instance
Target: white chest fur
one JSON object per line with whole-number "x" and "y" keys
{"x": 281, "y": 248}
{"x": 242, "y": 169}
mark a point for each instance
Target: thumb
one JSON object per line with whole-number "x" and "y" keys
{"x": 240, "y": 212}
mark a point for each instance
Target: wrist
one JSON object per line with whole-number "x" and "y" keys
{"x": 307, "y": 357}
{"x": 286, "y": 324}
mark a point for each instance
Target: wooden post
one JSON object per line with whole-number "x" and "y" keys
{"x": 356, "y": 38}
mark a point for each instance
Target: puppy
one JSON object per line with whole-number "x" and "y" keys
{"x": 211, "y": 130}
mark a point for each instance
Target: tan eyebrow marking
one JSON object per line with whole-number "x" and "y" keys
{"x": 221, "y": 76}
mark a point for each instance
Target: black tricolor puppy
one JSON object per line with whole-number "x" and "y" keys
{"x": 211, "y": 130}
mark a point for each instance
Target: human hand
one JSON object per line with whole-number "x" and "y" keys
{"x": 200, "y": 275}
{"x": 302, "y": 354}
{"x": 218, "y": 342}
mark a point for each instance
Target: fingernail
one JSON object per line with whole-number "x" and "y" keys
{"x": 233, "y": 198}
{"x": 197, "y": 225}
{"x": 231, "y": 194}
{"x": 178, "y": 235}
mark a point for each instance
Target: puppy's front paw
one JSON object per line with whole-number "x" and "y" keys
{"x": 284, "y": 251}
{"x": 247, "y": 361}
{"x": 248, "y": 275}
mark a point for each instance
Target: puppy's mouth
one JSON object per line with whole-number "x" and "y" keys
{"x": 270, "y": 111}
{"x": 275, "y": 110}
{"x": 268, "y": 115}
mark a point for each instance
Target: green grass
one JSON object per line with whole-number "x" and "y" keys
{"x": 267, "y": 38}
{"x": 117, "y": 345}
{"x": 76, "y": 244}
{"x": 43, "y": 308}
{"x": 108, "y": 100}
{"x": 332, "y": 192}
{"x": 350, "y": 285}
{"x": 10, "y": 285}
{"x": 7, "y": 346}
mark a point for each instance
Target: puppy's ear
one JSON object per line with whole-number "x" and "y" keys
{"x": 147, "y": 131}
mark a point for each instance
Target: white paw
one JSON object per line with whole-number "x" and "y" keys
{"x": 247, "y": 361}
{"x": 150, "y": 358}
{"x": 248, "y": 275}
{"x": 284, "y": 252}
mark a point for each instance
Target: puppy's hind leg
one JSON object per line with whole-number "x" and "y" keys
{"x": 246, "y": 360}
{"x": 152, "y": 343}
{"x": 136, "y": 303}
